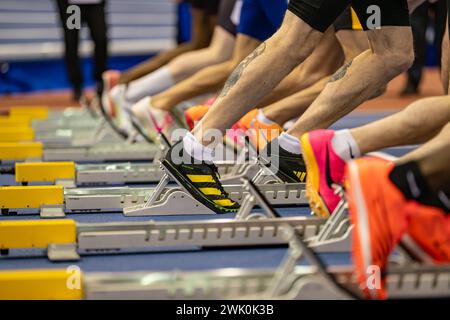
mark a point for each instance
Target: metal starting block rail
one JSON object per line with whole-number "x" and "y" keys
{"x": 246, "y": 229}
{"x": 70, "y": 174}
{"x": 173, "y": 201}
{"x": 65, "y": 240}
{"x": 288, "y": 281}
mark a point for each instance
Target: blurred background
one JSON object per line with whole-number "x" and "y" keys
{"x": 32, "y": 68}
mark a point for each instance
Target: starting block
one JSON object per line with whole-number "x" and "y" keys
{"x": 129, "y": 200}
{"x": 70, "y": 174}
{"x": 143, "y": 236}
{"x": 246, "y": 229}
{"x": 288, "y": 281}
{"x": 98, "y": 153}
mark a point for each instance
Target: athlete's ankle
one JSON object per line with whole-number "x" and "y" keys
{"x": 261, "y": 117}
{"x": 289, "y": 143}
{"x": 196, "y": 150}
{"x": 344, "y": 145}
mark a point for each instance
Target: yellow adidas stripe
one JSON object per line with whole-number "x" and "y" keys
{"x": 302, "y": 177}
{"x": 199, "y": 178}
{"x": 210, "y": 191}
{"x": 224, "y": 202}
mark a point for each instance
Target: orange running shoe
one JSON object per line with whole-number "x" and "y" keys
{"x": 195, "y": 114}
{"x": 259, "y": 133}
{"x": 377, "y": 211}
{"x": 429, "y": 227}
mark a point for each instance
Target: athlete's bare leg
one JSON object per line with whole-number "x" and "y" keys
{"x": 351, "y": 42}
{"x": 206, "y": 80}
{"x": 324, "y": 61}
{"x": 220, "y": 50}
{"x": 202, "y": 31}
{"x": 446, "y": 61}
{"x": 433, "y": 158}
{"x": 293, "y": 106}
{"x": 419, "y": 122}
{"x": 391, "y": 53}
{"x": 260, "y": 72}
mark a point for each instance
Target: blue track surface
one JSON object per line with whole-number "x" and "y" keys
{"x": 191, "y": 259}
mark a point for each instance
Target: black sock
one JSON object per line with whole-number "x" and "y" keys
{"x": 410, "y": 181}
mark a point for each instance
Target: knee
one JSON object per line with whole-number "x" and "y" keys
{"x": 398, "y": 59}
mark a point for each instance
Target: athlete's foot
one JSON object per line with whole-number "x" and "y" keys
{"x": 110, "y": 80}
{"x": 325, "y": 169}
{"x": 199, "y": 179}
{"x": 259, "y": 133}
{"x": 288, "y": 167}
{"x": 377, "y": 211}
{"x": 154, "y": 121}
{"x": 195, "y": 114}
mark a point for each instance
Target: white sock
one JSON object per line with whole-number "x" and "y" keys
{"x": 150, "y": 84}
{"x": 118, "y": 96}
{"x": 289, "y": 143}
{"x": 196, "y": 150}
{"x": 262, "y": 118}
{"x": 345, "y": 145}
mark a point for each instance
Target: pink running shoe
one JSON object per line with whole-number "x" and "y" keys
{"x": 154, "y": 121}
{"x": 324, "y": 168}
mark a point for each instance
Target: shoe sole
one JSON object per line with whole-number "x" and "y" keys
{"x": 313, "y": 179}
{"x": 150, "y": 132}
{"x": 280, "y": 174}
{"x": 182, "y": 182}
{"x": 361, "y": 223}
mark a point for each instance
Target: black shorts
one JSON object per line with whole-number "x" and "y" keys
{"x": 225, "y": 12}
{"x": 211, "y": 7}
{"x": 321, "y": 14}
{"x": 348, "y": 20}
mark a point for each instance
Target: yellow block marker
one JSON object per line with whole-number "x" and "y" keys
{"x": 28, "y": 234}
{"x": 31, "y": 197}
{"x": 60, "y": 284}
{"x": 35, "y": 112}
{"x": 16, "y": 134}
{"x": 20, "y": 151}
{"x": 14, "y": 122}
{"x": 44, "y": 171}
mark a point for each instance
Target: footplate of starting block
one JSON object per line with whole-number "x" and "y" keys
{"x": 20, "y": 151}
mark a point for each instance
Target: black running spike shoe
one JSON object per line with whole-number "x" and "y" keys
{"x": 287, "y": 166}
{"x": 199, "y": 179}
